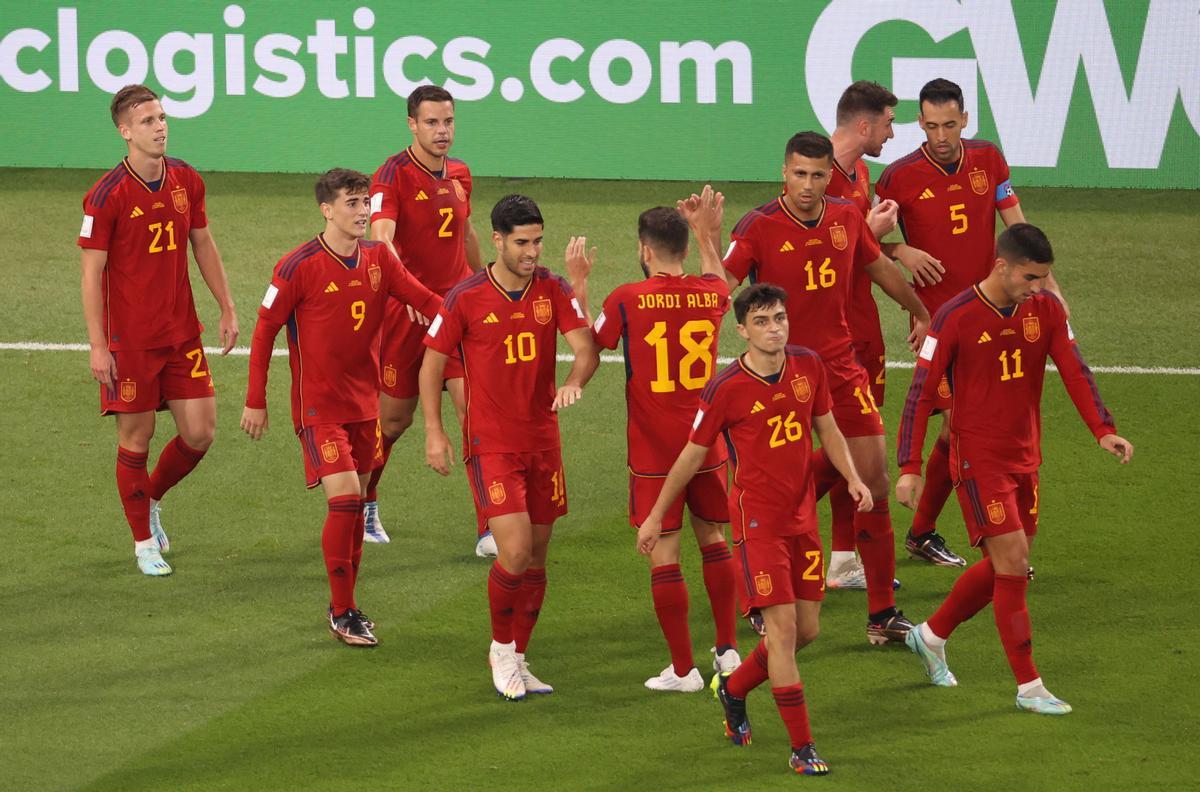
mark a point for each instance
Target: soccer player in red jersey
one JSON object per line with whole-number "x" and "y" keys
{"x": 142, "y": 327}
{"x": 420, "y": 209}
{"x": 668, "y": 325}
{"x": 331, "y": 293}
{"x": 992, "y": 341}
{"x": 949, "y": 191}
{"x": 766, "y": 405}
{"x": 503, "y": 322}
{"x": 810, "y": 245}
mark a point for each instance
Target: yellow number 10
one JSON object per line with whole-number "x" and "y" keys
{"x": 699, "y": 350}
{"x": 524, "y": 349}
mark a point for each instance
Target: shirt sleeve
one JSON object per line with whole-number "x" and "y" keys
{"x": 932, "y": 361}
{"x": 741, "y": 257}
{"x": 446, "y": 331}
{"x": 199, "y": 217}
{"x": 609, "y": 324}
{"x": 404, "y": 287}
{"x": 709, "y": 420}
{"x": 567, "y": 310}
{"x": 1076, "y": 376}
{"x": 823, "y": 402}
{"x": 277, "y": 305}
{"x": 1006, "y": 196}
{"x": 99, "y": 223}
{"x": 385, "y": 204}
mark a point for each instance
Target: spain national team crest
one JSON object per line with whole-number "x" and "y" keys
{"x": 801, "y": 389}
{"x": 837, "y": 237}
{"x": 496, "y": 493}
{"x": 374, "y": 273}
{"x": 329, "y": 451}
{"x": 543, "y": 310}
{"x": 389, "y": 375}
{"x": 459, "y": 191}
{"x": 995, "y": 512}
{"x": 179, "y": 198}
{"x": 979, "y": 182}
{"x": 763, "y": 584}
{"x": 1032, "y": 328}
{"x": 128, "y": 391}
{"x": 944, "y": 388}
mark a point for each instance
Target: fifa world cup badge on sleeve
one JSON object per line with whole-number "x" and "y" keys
{"x": 979, "y": 182}
{"x": 837, "y": 237}
{"x": 543, "y": 310}
{"x": 179, "y": 198}
{"x": 1032, "y": 328}
{"x": 801, "y": 389}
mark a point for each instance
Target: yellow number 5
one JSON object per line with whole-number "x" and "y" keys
{"x": 956, "y": 214}
{"x": 358, "y": 311}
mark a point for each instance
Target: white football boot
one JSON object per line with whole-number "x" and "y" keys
{"x": 667, "y": 680}
{"x": 506, "y": 671}
{"x": 486, "y": 546}
{"x": 372, "y": 527}
{"x": 532, "y": 684}
{"x": 156, "y": 529}
{"x": 726, "y": 662}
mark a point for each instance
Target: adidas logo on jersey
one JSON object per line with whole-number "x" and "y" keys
{"x": 927, "y": 193}
{"x": 983, "y": 339}
{"x": 331, "y": 288}
{"x": 421, "y": 196}
{"x": 490, "y": 319}
{"x": 137, "y": 212}
{"x": 786, "y": 247}
{"x": 758, "y": 407}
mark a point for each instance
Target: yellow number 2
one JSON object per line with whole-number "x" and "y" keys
{"x": 956, "y": 214}
{"x": 358, "y": 311}
{"x": 447, "y": 213}
{"x": 197, "y": 358}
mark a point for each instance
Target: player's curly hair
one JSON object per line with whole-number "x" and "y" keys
{"x": 665, "y": 230}
{"x": 515, "y": 210}
{"x": 427, "y": 93}
{"x": 939, "y": 91}
{"x": 756, "y": 297}
{"x": 1024, "y": 242}
{"x": 862, "y": 97}
{"x": 813, "y": 145}
{"x": 331, "y": 181}
{"x": 128, "y": 98}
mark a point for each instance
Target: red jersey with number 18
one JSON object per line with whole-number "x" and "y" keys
{"x": 767, "y": 427}
{"x": 507, "y": 341}
{"x": 668, "y": 326}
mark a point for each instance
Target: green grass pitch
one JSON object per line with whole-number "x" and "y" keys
{"x": 223, "y": 676}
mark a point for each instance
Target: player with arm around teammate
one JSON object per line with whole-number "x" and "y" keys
{"x": 993, "y": 341}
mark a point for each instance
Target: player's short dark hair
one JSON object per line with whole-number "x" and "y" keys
{"x": 939, "y": 91}
{"x": 128, "y": 97}
{"x": 760, "y": 295}
{"x": 813, "y": 145}
{"x": 331, "y": 181}
{"x": 515, "y": 210}
{"x": 665, "y": 230}
{"x": 427, "y": 93}
{"x": 1024, "y": 242}
{"x": 863, "y": 97}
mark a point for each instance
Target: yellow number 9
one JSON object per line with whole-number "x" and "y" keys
{"x": 358, "y": 311}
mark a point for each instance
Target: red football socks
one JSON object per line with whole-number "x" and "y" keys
{"x": 356, "y": 553}
{"x": 176, "y": 461}
{"x": 877, "y": 546}
{"x": 1012, "y": 620}
{"x": 377, "y": 473}
{"x": 670, "y": 596}
{"x": 337, "y": 545}
{"x": 133, "y": 485}
{"x": 970, "y": 594}
{"x": 750, "y": 674}
{"x": 720, "y": 578}
{"x": 794, "y": 711}
{"x": 938, "y": 487}
{"x": 843, "y": 508}
{"x": 503, "y": 590}
{"x": 529, "y": 606}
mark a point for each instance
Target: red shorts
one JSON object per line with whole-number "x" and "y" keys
{"x": 778, "y": 570}
{"x": 401, "y": 352}
{"x": 532, "y": 482}
{"x": 149, "y": 378}
{"x": 340, "y": 448}
{"x": 871, "y": 356}
{"x": 705, "y": 496}
{"x": 999, "y": 504}
{"x": 854, "y": 406}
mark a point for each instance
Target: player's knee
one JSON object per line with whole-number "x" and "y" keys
{"x": 395, "y": 425}
{"x": 199, "y": 437}
{"x": 806, "y": 634}
{"x": 517, "y": 560}
{"x": 707, "y": 532}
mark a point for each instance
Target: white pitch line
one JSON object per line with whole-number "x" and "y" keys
{"x": 37, "y": 346}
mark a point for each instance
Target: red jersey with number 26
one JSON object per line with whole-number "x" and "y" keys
{"x": 668, "y": 326}
{"x": 995, "y": 361}
{"x": 508, "y": 344}
{"x": 813, "y": 261}
{"x": 147, "y": 293}
{"x": 767, "y": 427}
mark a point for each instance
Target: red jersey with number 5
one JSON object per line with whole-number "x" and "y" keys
{"x": 430, "y": 211}
{"x": 949, "y": 211}
{"x": 147, "y": 293}
{"x": 333, "y": 308}
{"x": 814, "y": 261}
{"x": 767, "y": 427}
{"x": 995, "y": 362}
{"x": 508, "y": 344}
{"x": 668, "y": 326}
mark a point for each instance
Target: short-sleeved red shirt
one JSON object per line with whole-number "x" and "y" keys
{"x": 862, "y": 314}
{"x": 949, "y": 211}
{"x": 767, "y": 428}
{"x": 508, "y": 344}
{"x": 147, "y": 293}
{"x": 668, "y": 326}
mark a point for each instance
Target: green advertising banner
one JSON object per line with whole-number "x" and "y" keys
{"x": 1078, "y": 93}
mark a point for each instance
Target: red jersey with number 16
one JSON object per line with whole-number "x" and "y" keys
{"x": 767, "y": 427}
{"x": 668, "y": 326}
{"x": 508, "y": 346}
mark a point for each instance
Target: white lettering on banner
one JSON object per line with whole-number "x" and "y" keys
{"x": 165, "y": 51}
{"x": 97, "y": 60}
{"x": 542, "y": 62}
{"x": 266, "y": 57}
{"x": 364, "y": 55}
{"x": 325, "y": 46}
{"x": 455, "y": 60}
{"x": 641, "y": 71}
{"x": 393, "y": 63}
{"x": 1133, "y": 125}
{"x": 10, "y": 50}
{"x": 672, "y": 54}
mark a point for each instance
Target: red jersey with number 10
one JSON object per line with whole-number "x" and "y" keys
{"x": 508, "y": 345}
{"x": 767, "y": 427}
{"x": 147, "y": 293}
{"x": 668, "y": 326}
